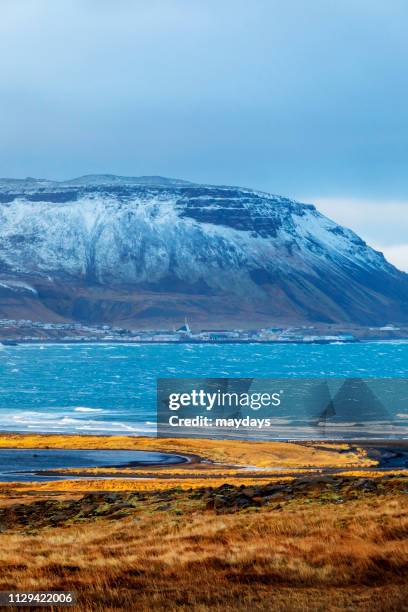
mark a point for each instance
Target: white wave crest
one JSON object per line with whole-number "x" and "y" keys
{"x": 86, "y": 409}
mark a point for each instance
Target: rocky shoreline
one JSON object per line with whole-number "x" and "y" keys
{"x": 227, "y": 498}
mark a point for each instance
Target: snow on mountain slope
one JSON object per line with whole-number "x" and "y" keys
{"x": 204, "y": 250}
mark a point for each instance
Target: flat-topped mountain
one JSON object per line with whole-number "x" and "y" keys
{"x": 146, "y": 251}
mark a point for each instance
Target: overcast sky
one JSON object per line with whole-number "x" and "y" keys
{"x": 307, "y": 99}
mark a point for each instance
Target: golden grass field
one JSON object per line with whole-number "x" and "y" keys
{"x": 308, "y": 554}
{"x": 315, "y": 545}
{"x": 236, "y": 452}
{"x": 228, "y": 461}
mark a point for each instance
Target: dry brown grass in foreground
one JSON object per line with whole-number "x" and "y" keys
{"x": 313, "y": 552}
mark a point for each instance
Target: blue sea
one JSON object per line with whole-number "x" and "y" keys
{"x": 111, "y": 389}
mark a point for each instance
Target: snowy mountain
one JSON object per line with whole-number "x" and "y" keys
{"x": 148, "y": 250}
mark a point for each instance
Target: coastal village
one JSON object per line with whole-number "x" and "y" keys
{"x": 25, "y": 331}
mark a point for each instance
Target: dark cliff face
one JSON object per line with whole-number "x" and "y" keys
{"x": 149, "y": 250}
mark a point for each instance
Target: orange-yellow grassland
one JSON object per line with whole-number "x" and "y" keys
{"x": 223, "y": 460}
{"x": 208, "y": 536}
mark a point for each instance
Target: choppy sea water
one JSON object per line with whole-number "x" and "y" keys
{"x": 112, "y": 388}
